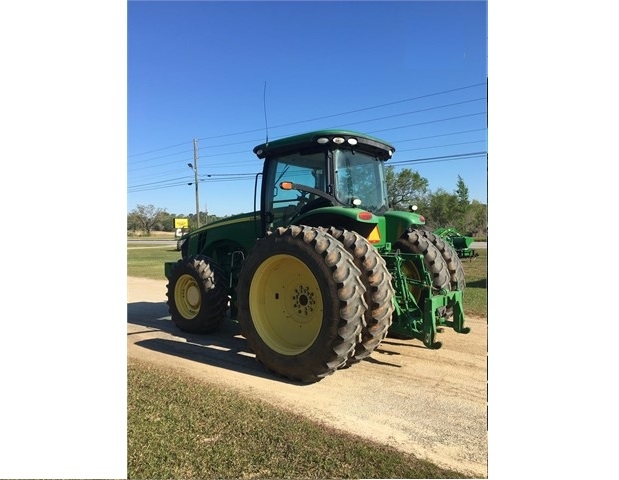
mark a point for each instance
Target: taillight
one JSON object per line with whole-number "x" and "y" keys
{"x": 364, "y": 216}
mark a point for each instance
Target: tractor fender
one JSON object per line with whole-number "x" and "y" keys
{"x": 398, "y": 222}
{"x": 348, "y": 218}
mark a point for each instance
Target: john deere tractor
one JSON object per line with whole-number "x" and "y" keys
{"x": 323, "y": 271}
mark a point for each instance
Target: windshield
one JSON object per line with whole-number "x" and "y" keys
{"x": 360, "y": 176}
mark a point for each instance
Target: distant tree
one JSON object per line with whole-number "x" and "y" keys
{"x": 406, "y": 188}
{"x": 462, "y": 196}
{"x": 145, "y": 218}
{"x": 475, "y": 222}
{"x": 212, "y": 218}
{"x": 204, "y": 219}
{"x": 442, "y": 210}
{"x": 462, "y": 192}
{"x": 166, "y": 222}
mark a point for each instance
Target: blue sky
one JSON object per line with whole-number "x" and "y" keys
{"x": 412, "y": 73}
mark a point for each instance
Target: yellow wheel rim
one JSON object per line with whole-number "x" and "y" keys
{"x": 410, "y": 271}
{"x": 187, "y": 297}
{"x": 286, "y": 304}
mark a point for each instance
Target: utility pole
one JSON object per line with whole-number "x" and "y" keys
{"x": 195, "y": 172}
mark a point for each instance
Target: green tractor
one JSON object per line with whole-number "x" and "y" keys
{"x": 323, "y": 271}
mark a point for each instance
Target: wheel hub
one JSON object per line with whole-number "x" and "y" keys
{"x": 193, "y": 296}
{"x": 303, "y": 304}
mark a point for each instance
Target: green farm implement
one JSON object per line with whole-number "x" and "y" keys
{"x": 460, "y": 243}
{"x": 323, "y": 271}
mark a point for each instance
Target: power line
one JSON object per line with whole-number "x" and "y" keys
{"x": 439, "y": 135}
{"x": 162, "y": 156}
{"x": 442, "y": 158}
{"x": 457, "y": 117}
{"x": 428, "y": 122}
{"x": 392, "y": 128}
{"x": 319, "y": 118}
{"x": 157, "y": 150}
{"x": 201, "y": 178}
{"x": 258, "y": 140}
{"x": 184, "y": 160}
{"x": 159, "y": 182}
{"x": 414, "y": 111}
{"x": 249, "y": 176}
{"x": 370, "y": 132}
{"x": 352, "y": 111}
{"x": 246, "y": 163}
{"x": 442, "y": 146}
{"x": 147, "y": 187}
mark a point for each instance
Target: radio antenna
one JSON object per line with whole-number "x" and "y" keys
{"x": 264, "y": 103}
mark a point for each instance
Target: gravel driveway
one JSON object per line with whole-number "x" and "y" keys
{"x": 431, "y": 403}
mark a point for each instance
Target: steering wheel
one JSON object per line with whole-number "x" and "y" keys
{"x": 302, "y": 198}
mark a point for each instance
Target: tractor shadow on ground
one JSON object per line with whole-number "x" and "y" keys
{"x": 376, "y": 361}
{"x": 478, "y": 284}
{"x": 225, "y": 348}
{"x": 384, "y": 351}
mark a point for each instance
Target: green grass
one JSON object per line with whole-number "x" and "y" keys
{"x": 179, "y": 428}
{"x": 147, "y": 262}
{"x": 476, "y": 292}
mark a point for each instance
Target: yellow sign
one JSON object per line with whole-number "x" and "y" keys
{"x": 181, "y": 223}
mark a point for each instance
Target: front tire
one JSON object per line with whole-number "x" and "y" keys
{"x": 415, "y": 242}
{"x": 300, "y": 303}
{"x": 453, "y": 262}
{"x": 197, "y": 295}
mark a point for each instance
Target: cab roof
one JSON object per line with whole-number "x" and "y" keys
{"x": 349, "y": 139}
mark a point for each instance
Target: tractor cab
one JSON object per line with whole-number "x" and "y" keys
{"x": 327, "y": 168}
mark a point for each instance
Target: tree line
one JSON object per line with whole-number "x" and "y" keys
{"x": 440, "y": 208}
{"x": 405, "y": 189}
{"x": 148, "y": 218}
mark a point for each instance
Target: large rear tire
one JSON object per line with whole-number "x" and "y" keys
{"x": 379, "y": 291}
{"x": 453, "y": 262}
{"x": 300, "y": 301}
{"x": 197, "y": 295}
{"x": 415, "y": 242}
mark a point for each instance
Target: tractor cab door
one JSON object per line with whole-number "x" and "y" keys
{"x": 279, "y": 206}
